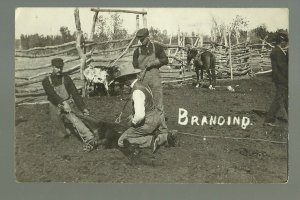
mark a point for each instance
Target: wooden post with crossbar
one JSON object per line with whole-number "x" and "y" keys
{"x": 137, "y": 22}
{"x": 144, "y": 19}
{"x": 80, "y": 49}
{"x": 94, "y": 25}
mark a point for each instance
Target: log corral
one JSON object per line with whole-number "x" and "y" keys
{"x": 244, "y": 59}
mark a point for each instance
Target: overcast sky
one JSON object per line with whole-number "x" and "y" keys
{"x": 47, "y": 21}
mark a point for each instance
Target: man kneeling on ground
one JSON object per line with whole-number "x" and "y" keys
{"x": 145, "y": 120}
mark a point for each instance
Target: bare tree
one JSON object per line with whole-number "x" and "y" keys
{"x": 238, "y": 24}
{"x": 101, "y": 29}
{"x": 220, "y": 31}
{"x": 116, "y": 29}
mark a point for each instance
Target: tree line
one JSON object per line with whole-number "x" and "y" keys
{"x": 36, "y": 40}
{"x": 237, "y": 31}
{"x": 112, "y": 28}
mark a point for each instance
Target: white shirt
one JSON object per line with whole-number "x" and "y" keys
{"x": 138, "y": 98}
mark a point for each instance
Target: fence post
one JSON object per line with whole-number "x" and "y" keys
{"x": 79, "y": 41}
{"x": 170, "y": 42}
{"x": 248, "y": 37}
{"x": 93, "y": 26}
{"x": 263, "y": 47}
{"x": 201, "y": 40}
{"x": 144, "y": 20}
{"x": 137, "y": 22}
{"x": 230, "y": 59}
{"x": 224, "y": 37}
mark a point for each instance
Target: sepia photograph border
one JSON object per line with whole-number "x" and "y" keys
{"x": 10, "y": 189}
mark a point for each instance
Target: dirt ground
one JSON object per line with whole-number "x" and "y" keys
{"x": 41, "y": 155}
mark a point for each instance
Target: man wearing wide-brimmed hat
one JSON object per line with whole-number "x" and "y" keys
{"x": 151, "y": 56}
{"x": 279, "y": 61}
{"x": 145, "y": 119}
{"x": 61, "y": 92}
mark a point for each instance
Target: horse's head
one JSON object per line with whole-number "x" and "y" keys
{"x": 191, "y": 54}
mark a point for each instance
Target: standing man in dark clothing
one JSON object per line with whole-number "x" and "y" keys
{"x": 151, "y": 56}
{"x": 61, "y": 93}
{"x": 279, "y": 61}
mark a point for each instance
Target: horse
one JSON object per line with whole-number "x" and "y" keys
{"x": 203, "y": 61}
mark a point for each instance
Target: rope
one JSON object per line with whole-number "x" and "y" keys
{"x": 123, "y": 53}
{"x": 118, "y": 119}
{"x": 234, "y": 138}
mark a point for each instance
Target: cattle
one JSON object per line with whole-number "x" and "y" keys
{"x": 203, "y": 61}
{"x": 99, "y": 79}
{"x": 96, "y": 78}
{"x": 107, "y": 133}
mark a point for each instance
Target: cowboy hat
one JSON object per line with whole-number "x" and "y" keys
{"x": 125, "y": 70}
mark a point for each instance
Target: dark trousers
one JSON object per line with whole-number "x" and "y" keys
{"x": 280, "y": 99}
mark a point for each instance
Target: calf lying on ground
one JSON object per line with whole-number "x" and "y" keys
{"x": 203, "y": 61}
{"x": 106, "y": 132}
